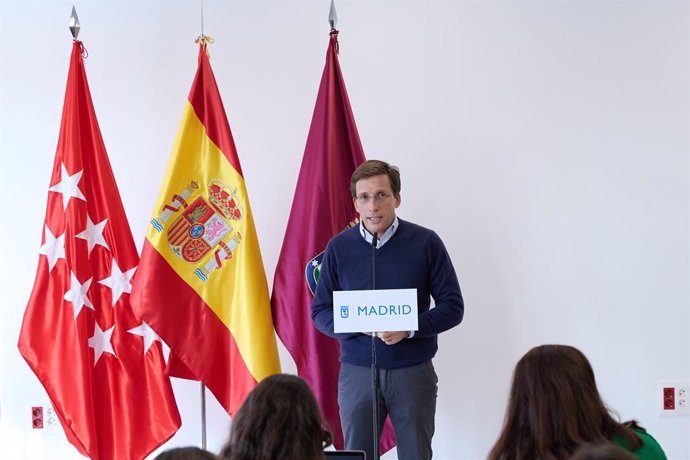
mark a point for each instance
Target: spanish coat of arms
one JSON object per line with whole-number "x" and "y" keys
{"x": 204, "y": 225}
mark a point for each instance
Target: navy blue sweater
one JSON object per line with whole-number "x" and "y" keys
{"x": 414, "y": 257}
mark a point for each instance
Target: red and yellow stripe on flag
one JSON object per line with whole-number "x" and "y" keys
{"x": 201, "y": 283}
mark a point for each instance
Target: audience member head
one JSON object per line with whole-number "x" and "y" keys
{"x": 606, "y": 451}
{"x": 554, "y": 407}
{"x": 186, "y": 453}
{"x": 279, "y": 419}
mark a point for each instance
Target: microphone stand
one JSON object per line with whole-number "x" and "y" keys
{"x": 374, "y": 363}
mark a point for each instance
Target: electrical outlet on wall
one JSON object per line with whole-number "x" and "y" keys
{"x": 673, "y": 397}
{"x": 45, "y": 418}
{"x": 683, "y": 402}
{"x": 51, "y": 419}
{"x": 37, "y": 417}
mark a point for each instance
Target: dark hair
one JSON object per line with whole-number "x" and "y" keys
{"x": 279, "y": 419}
{"x": 554, "y": 407}
{"x": 371, "y": 168}
{"x": 186, "y": 453}
{"x": 606, "y": 451}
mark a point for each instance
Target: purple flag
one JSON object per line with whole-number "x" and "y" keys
{"x": 321, "y": 208}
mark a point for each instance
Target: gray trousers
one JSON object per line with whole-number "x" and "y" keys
{"x": 407, "y": 395}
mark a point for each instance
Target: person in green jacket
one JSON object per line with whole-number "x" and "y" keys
{"x": 604, "y": 451}
{"x": 555, "y": 408}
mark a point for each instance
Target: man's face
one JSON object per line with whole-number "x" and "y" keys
{"x": 375, "y": 203}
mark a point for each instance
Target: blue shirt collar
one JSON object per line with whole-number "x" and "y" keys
{"x": 368, "y": 237}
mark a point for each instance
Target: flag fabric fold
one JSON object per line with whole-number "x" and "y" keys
{"x": 101, "y": 365}
{"x": 321, "y": 208}
{"x": 201, "y": 283}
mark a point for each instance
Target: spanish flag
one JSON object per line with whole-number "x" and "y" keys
{"x": 201, "y": 283}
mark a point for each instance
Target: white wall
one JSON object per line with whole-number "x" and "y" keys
{"x": 546, "y": 141}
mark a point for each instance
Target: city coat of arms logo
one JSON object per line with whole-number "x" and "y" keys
{"x": 344, "y": 311}
{"x": 312, "y": 270}
{"x": 203, "y": 226}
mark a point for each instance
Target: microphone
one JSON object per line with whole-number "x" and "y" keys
{"x": 374, "y": 244}
{"x": 374, "y": 363}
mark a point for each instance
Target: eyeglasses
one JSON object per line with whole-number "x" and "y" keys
{"x": 379, "y": 197}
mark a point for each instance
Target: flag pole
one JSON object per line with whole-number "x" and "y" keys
{"x": 202, "y": 387}
{"x": 202, "y": 17}
{"x": 203, "y": 415}
{"x": 74, "y": 25}
{"x": 332, "y": 16}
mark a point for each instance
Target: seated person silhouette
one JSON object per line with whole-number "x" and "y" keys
{"x": 554, "y": 408}
{"x": 279, "y": 419}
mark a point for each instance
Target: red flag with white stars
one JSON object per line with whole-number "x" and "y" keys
{"x": 102, "y": 367}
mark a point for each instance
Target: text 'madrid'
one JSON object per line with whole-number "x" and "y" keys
{"x": 375, "y": 310}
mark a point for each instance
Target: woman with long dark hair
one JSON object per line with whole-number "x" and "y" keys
{"x": 555, "y": 407}
{"x": 279, "y": 419}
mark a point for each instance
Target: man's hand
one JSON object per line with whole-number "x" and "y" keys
{"x": 391, "y": 338}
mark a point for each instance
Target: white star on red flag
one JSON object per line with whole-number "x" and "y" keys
{"x": 68, "y": 186}
{"x": 93, "y": 234}
{"x": 77, "y": 294}
{"x": 53, "y": 248}
{"x": 100, "y": 342}
{"x": 145, "y": 331}
{"x": 118, "y": 281}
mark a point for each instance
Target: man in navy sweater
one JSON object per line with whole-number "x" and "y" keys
{"x": 407, "y": 256}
